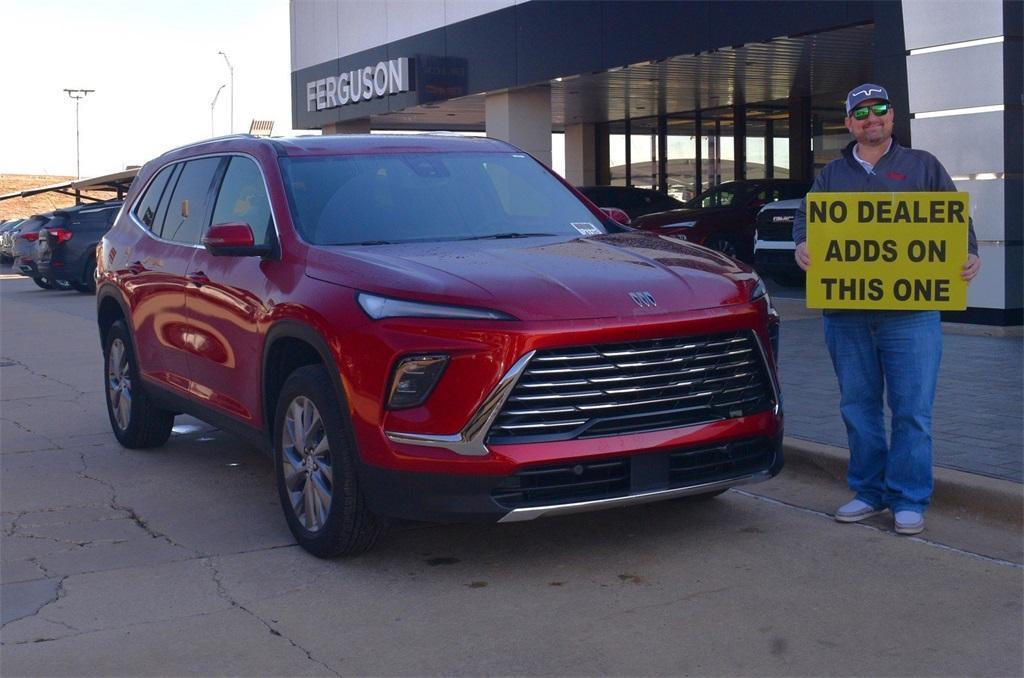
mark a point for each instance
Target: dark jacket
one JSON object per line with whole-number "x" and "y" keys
{"x": 900, "y": 169}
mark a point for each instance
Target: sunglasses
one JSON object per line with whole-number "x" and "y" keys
{"x": 862, "y": 112}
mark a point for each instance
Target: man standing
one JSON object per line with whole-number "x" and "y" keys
{"x": 875, "y": 351}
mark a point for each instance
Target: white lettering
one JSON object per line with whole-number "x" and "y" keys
{"x": 343, "y": 93}
{"x": 310, "y": 96}
{"x": 361, "y": 84}
{"x": 380, "y": 79}
{"x": 355, "y": 89}
{"x": 398, "y": 75}
{"x": 367, "y": 83}
{"x": 332, "y": 88}
{"x": 321, "y": 90}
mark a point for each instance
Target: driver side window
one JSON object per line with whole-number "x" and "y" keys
{"x": 243, "y": 199}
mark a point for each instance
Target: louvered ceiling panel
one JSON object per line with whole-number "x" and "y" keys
{"x": 822, "y": 65}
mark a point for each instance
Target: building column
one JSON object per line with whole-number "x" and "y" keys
{"x": 522, "y": 117}
{"x": 357, "y": 126}
{"x": 581, "y": 154}
{"x": 976, "y": 134}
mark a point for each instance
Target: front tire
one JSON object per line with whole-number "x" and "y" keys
{"x": 136, "y": 421}
{"x": 315, "y": 462}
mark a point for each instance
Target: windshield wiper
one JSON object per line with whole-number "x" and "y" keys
{"x": 369, "y": 242}
{"x": 504, "y": 236}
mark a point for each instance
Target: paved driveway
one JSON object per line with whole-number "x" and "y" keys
{"x": 177, "y": 561}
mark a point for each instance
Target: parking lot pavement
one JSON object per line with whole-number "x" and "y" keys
{"x": 978, "y": 418}
{"x": 177, "y": 560}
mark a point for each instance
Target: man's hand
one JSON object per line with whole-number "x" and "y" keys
{"x": 970, "y": 269}
{"x": 803, "y": 259}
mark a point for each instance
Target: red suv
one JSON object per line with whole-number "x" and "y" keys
{"x": 435, "y": 328}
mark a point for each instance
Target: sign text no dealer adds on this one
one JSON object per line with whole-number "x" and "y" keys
{"x": 887, "y": 251}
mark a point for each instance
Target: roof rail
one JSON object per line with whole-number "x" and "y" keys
{"x": 226, "y": 137}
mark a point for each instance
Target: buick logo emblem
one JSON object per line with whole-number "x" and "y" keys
{"x": 643, "y": 299}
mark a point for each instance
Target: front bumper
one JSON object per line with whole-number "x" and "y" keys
{"x": 574, "y": 486}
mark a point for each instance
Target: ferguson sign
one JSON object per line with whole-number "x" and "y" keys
{"x": 361, "y": 84}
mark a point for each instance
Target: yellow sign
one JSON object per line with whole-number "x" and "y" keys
{"x": 887, "y": 251}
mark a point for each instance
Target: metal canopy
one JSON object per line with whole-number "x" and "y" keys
{"x": 117, "y": 183}
{"x": 816, "y": 65}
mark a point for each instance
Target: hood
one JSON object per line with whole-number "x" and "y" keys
{"x": 543, "y": 278}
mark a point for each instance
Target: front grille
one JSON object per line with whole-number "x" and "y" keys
{"x": 637, "y": 474}
{"x": 614, "y": 389}
{"x": 775, "y": 225}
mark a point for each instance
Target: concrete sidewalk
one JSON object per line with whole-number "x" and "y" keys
{"x": 978, "y": 423}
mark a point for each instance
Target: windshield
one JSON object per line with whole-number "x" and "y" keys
{"x": 418, "y": 197}
{"x": 725, "y": 195}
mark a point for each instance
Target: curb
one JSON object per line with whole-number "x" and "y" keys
{"x": 955, "y": 491}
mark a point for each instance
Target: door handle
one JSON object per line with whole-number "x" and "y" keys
{"x": 136, "y": 268}
{"x": 198, "y": 278}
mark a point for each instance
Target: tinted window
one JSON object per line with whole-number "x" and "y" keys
{"x": 429, "y": 196}
{"x": 146, "y": 210}
{"x": 187, "y": 210}
{"x": 243, "y": 199}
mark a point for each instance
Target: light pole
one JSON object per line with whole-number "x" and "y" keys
{"x": 231, "y": 72}
{"x": 77, "y": 95}
{"x": 212, "y": 104}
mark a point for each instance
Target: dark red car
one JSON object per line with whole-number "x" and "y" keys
{"x": 434, "y": 328}
{"x": 723, "y": 218}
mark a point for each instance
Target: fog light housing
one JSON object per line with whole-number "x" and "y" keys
{"x": 414, "y": 379}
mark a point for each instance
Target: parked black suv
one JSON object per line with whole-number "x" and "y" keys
{"x": 66, "y": 249}
{"x": 635, "y": 202}
{"x": 25, "y": 249}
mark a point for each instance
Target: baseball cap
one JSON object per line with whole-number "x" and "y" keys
{"x": 863, "y": 93}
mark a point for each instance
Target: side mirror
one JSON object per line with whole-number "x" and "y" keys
{"x": 617, "y": 215}
{"x": 233, "y": 240}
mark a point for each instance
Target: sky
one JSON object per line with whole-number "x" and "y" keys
{"x": 155, "y": 68}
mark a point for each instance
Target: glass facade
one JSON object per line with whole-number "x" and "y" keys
{"x": 703, "y": 149}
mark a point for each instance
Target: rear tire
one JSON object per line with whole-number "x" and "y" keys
{"x": 43, "y": 282}
{"x": 136, "y": 421}
{"x": 315, "y": 462}
{"x": 88, "y": 284}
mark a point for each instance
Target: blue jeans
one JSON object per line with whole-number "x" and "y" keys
{"x": 898, "y": 353}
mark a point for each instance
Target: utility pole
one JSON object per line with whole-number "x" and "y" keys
{"x": 231, "y": 72}
{"x": 212, "y": 104}
{"x": 77, "y": 95}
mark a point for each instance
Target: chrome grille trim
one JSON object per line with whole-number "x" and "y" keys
{"x": 593, "y": 391}
{"x": 470, "y": 441}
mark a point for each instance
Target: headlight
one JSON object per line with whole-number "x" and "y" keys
{"x": 681, "y": 224}
{"x": 378, "y": 307}
{"x": 759, "y": 291}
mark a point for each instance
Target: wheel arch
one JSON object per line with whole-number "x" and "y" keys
{"x": 110, "y": 308}
{"x": 289, "y": 345}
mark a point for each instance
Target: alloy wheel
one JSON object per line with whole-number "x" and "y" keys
{"x": 306, "y": 464}
{"x": 119, "y": 383}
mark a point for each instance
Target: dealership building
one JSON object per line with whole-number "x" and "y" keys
{"x": 682, "y": 96}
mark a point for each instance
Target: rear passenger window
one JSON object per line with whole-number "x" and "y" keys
{"x": 147, "y": 208}
{"x": 187, "y": 210}
{"x": 243, "y": 199}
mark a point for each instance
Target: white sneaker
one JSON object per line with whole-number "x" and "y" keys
{"x": 909, "y": 522}
{"x": 855, "y": 511}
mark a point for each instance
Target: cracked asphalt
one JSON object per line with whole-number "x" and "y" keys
{"x": 177, "y": 561}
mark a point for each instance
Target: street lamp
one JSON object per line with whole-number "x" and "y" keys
{"x": 212, "y": 104}
{"x": 231, "y": 72}
{"x": 77, "y": 95}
